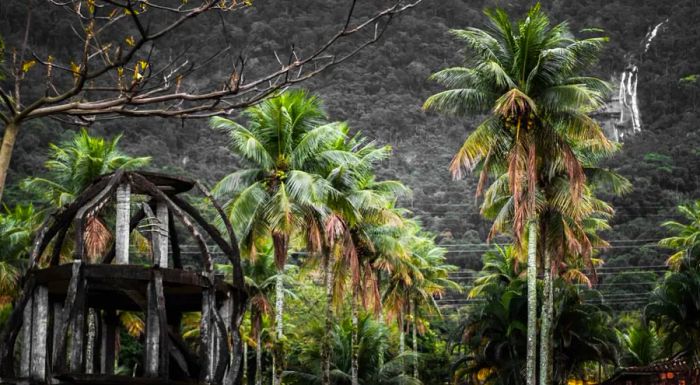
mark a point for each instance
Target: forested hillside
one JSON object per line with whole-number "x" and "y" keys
{"x": 381, "y": 91}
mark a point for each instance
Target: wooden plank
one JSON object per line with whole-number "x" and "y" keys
{"x": 58, "y": 244}
{"x": 57, "y": 327}
{"x": 121, "y": 242}
{"x": 25, "y": 363}
{"x": 164, "y": 349}
{"x": 161, "y": 246}
{"x": 12, "y": 327}
{"x": 174, "y": 242}
{"x": 152, "y": 340}
{"x": 205, "y": 355}
{"x": 78, "y": 324}
{"x": 133, "y": 222}
{"x": 69, "y": 308}
{"x": 39, "y": 340}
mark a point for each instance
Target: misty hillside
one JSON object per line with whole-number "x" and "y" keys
{"x": 380, "y": 92}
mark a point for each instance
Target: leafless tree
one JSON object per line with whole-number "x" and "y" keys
{"x": 116, "y": 67}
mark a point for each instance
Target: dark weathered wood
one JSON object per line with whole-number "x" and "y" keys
{"x": 78, "y": 323}
{"x": 205, "y": 345}
{"x": 56, "y": 327}
{"x": 174, "y": 242}
{"x": 40, "y": 333}
{"x": 12, "y": 328}
{"x": 160, "y": 251}
{"x": 235, "y": 255}
{"x": 133, "y": 222}
{"x": 164, "y": 349}
{"x": 110, "y": 321}
{"x": 25, "y": 361}
{"x": 153, "y": 190}
{"x": 206, "y": 226}
{"x": 151, "y": 344}
{"x": 69, "y": 308}
{"x": 57, "y": 245}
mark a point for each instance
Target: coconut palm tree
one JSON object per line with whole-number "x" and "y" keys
{"x": 415, "y": 284}
{"x": 686, "y": 239}
{"x": 527, "y": 79}
{"x": 71, "y": 167}
{"x": 286, "y": 141}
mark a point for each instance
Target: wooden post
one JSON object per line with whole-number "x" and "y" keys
{"x": 40, "y": 319}
{"x": 160, "y": 246}
{"x": 78, "y": 326}
{"x": 57, "y": 328}
{"x": 122, "y": 228}
{"x": 157, "y": 349}
{"x": 152, "y": 341}
{"x": 206, "y": 335}
{"x": 108, "y": 341}
{"x": 26, "y": 356}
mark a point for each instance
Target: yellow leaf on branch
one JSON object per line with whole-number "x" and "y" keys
{"x": 27, "y": 65}
{"x": 130, "y": 41}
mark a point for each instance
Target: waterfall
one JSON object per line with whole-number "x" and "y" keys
{"x": 629, "y": 115}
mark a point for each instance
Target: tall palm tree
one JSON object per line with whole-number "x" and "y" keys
{"x": 527, "y": 79}
{"x": 285, "y": 142}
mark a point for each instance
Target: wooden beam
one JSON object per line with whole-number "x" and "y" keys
{"x": 13, "y": 326}
{"x": 157, "y": 350}
{"x": 69, "y": 308}
{"x": 108, "y": 343}
{"x": 174, "y": 242}
{"x": 133, "y": 222}
{"x": 78, "y": 322}
{"x": 57, "y": 245}
{"x": 25, "y": 362}
{"x": 164, "y": 341}
{"x": 161, "y": 245}
{"x": 39, "y": 340}
{"x": 121, "y": 242}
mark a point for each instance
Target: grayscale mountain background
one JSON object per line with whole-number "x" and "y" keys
{"x": 652, "y": 62}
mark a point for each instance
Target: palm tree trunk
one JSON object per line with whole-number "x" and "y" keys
{"x": 279, "y": 332}
{"x": 8, "y": 144}
{"x": 402, "y": 343}
{"x": 258, "y": 352}
{"x": 531, "y": 366}
{"x": 381, "y": 322}
{"x": 328, "y": 328}
{"x": 415, "y": 339}
{"x": 355, "y": 340}
{"x": 547, "y": 320}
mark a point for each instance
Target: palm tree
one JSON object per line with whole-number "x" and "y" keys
{"x": 371, "y": 337}
{"x": 72, "y": 166}
{"x": 675, "y": 307}
{"x": 414, "y": 284}
{"x": 527, "y": 78}
{"x": 17, "y": 226}
{"x": 285, "y": 142}
{"x": 686, "y": 238}
{"x": 641, "y": 344}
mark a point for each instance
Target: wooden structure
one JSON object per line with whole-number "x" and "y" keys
{"x": 64, "y": 326}
{"x": 680, "y": 370}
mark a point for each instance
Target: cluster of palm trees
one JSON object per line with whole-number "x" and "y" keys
{"x": 540, "y": 148}
{"x": 307, "y": 185}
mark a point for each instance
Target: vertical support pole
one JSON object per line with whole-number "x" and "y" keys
{"x": 121, "y": 245}
{"x": 26, "y": 357}
{"x": 40, "y": 320}
{"x": 108, "y": 342}
{"x": 160, "y": 251}
{"x": 152, "y": 333}
{"x": 157, "y": 347}
{"x": 205, "y": 332}
{"x": 57, "y": 327}
{"x": 78, "y": 326}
